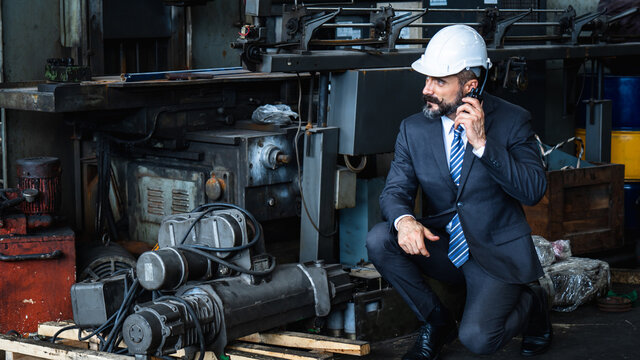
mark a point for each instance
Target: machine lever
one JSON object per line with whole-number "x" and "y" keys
{"x": 503, "y": 26}
{"x": 581, "y": 21}
{"x": 45, "y": 256}
{"x": 397, "y": 24}
{"x": 312, "y": 25}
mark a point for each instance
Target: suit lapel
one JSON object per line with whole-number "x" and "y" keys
{"x": 438, "y": 150}
{"x": 467, "y": 162}
{"x": 469, "y": 157}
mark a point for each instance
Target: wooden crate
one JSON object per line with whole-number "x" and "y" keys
{"x": 585, "y": 206}
{"x": 284, "y": 345}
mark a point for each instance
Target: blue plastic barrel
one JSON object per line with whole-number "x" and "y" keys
{"x": 632, "y": 205}
{"x": 624, "y": 93}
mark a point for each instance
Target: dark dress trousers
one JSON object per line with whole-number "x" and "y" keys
{"x": 488, "y": 202}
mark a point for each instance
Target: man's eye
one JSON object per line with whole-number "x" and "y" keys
{"x": 440, "y": 82}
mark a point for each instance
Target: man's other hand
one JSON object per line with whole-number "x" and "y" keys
{"x": 411, "y": 235}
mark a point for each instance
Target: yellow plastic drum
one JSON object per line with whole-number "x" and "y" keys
{"x": 625, "y": 149}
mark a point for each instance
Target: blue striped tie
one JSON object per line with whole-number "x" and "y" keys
{"x": 458, "y": 248}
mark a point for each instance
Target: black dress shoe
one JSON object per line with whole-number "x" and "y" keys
{"x": 430, "y": 341}
{"x": 537, "y": 337}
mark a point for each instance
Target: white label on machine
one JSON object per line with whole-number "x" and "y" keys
{"x": 148, "y": 272}
{"x": 438, "y": 3}
{"x": 491, "y": 2}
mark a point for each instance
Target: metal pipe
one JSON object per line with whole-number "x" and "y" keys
{"x": 77, "y": 177}
{"x": 362, "y": 25}
{"x": 310, "y": 108}
{"x": 323, "y": 92}
{"x": 189, "y": 37}
{"x": 600, "y": 70}
{"x": 431, "y": 9}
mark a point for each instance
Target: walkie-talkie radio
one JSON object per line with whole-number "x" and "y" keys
{"x": 477, "y": 93}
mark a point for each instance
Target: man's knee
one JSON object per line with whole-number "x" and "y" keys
{"x": 376, "y": 238}
{"x": 478, "y": 339}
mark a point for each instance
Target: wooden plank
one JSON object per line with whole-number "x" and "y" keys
{"x": 51, "y": 351}
{"x": 50, "y": 328}
{"x": 283, "y": 353}
{"x": 310, "y": 341}
{"x": 241, "y": 355}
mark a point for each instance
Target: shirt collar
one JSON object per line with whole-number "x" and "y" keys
{"x": 447, "y": 124}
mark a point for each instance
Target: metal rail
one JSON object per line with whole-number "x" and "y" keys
{"x": 330, "y": 60}
{"x": 364, "y": 25}
{"x": 432, "y": 9}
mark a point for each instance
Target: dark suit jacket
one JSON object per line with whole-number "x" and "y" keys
{"x": 491, "y": 189}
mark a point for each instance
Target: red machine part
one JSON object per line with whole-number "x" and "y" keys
{"x": 42, "y": 174}
{"x": 39, "y": 270}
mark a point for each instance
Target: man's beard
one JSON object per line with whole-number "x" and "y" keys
{"x": 444, "y": 108}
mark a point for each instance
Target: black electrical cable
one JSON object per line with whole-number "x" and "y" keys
{"x": 117, "y": 327}
{"x": 145, "y": 138}
{"x": 228, "y": 264}
{"x": 194, "y": 317}
{"x": 120, "y": 315}
{"x": 70, "y": 327}
{"x": 207, "y": 208}
{"x": 105, "y": 220}
{"x": 193, "y": 224}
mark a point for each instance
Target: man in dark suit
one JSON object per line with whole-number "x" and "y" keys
{"x": 476, "y": 162}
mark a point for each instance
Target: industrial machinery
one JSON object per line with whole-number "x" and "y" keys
{"x": 33, "y": 247}
{"x": 169, "y": 141}
{"x": 211, "y": 282}
{"x": 32, "y": 204}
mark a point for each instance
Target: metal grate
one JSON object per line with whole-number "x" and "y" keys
{"x": 155, "y": 201}
{"x": 180, "y": 201}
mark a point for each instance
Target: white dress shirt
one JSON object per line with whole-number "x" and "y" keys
{"x": 447, "y": 135}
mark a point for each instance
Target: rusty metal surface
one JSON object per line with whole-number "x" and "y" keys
{"x": 35, "y": 291}
{"x": 43, "y": 175}
{"x": 13, "y": 224}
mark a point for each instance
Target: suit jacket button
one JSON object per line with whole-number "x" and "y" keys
{"x": 460, "y": 204}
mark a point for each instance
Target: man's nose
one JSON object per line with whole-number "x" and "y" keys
{"x": 428, "y": 87}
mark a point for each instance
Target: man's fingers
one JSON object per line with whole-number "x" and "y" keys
{"x": 429, "y": 235}
{"x": 422, "y": 249}
{"x": 466, "y": 108}
{"x": 473, "y": 101}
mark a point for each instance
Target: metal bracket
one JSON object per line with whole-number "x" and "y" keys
{"x": 299, "y": 25}
{"x": 397, "y": 24}
{"x": 580, "y": 22}
{"x": 503, "y": 26}
{"x": 381, "y": 21}
{"x": 566, "y": 20}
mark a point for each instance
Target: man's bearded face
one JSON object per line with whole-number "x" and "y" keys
{"x": 435, "y": 108}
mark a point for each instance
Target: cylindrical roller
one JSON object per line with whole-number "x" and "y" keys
{"x": 43, "y": 175}
{"x": 169, "y": 268}
{"x": 166, "y": 325}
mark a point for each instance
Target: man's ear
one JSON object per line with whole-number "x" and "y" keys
{"x": 471, "y": 84}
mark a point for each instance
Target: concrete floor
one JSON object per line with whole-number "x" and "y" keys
{"x": 586, "y": 333}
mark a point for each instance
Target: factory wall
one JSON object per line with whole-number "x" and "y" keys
{"x": 215, "y": 25}
{"x": 31, "y": 35}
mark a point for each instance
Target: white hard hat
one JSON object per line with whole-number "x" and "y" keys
{"x": 451, "y": 50}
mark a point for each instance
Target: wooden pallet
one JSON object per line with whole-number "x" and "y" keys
{"x": 259, "y": 346}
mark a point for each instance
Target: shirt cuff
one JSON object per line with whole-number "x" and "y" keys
{"x": 479, "y": 151}
{"x": 397, "y": 220}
